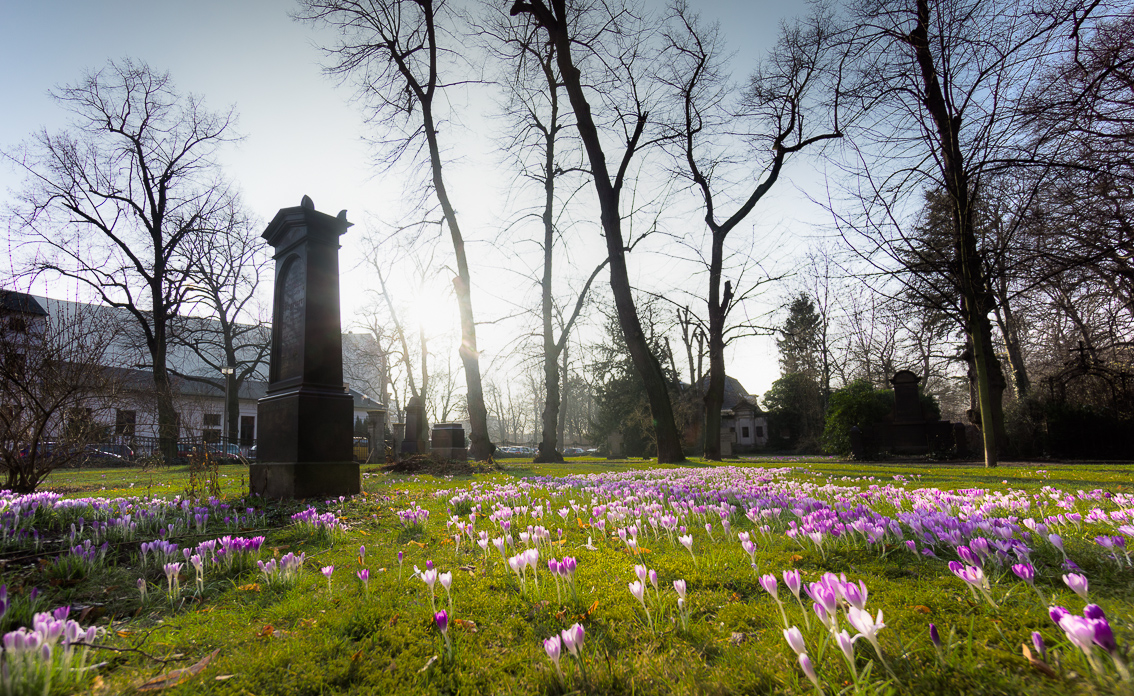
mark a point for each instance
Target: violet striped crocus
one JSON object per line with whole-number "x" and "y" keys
{"x": 868, "y": 628}
{"x": 573, "y": 640}
{"x": 553, "y": 646}
{"x": 1077, "y": 583}
{"x": 794, "y": 638}
{"x": 441, "y": 618}
{"x": 846, "y": 646}
{"x": 809, "y": 670}
{"x": 327, "y": 570}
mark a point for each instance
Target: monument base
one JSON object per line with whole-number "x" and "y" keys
{"x": 304, "y": 479}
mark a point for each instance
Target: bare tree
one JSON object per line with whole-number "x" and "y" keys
{"x": 782, "y": 103}
{"x": 938, "y": 85}
{"x": 395, "y": 51}
{"x": 56, "y": 390}
{"x": 113, "y": 202}
{"x": 544, "y": 154}
{"x": 614, "y": 46}
{"x": 231, "y": 335}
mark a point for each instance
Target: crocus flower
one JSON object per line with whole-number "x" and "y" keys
{"x": 1037, "y": 642}
{"x": 809, "y": 670}
{"x": 1077, "y": 583}
{"x": 639, "y": 591}
{"x": 361, "y": 554}
{"x": 442, "y": 620}
{"x": 794, "y": 638}
{"x": 867, "y": 628}
{"x": 552, "y": 646}
{"x": 935, "y": 637}
{"x": 679, "y": 587}
{"x": 641, "y": 572}
{"x": 364, "y": 576}
{"x": 846, "y": 645}
{"x": 573, "y": 639}
{"x": 687, "y": 542}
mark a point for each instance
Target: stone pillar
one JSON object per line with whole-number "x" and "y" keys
{"x": 399, "y": 430}
{"x": 376, "y": 430}
{"x": 417, "y": 431}
{"x": 307, "y": 415}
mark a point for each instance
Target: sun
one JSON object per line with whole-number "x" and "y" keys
{"x": 434, "y": 309}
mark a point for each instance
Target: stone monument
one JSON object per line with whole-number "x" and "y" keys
{"x": 376, "y": 434}
{"x": 307, "y": 415}
{"x": 614, "y": 446}
{"x": 415, "y": 441}
{"x": 449, "y": 441}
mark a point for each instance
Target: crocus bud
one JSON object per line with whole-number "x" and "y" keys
{"x": 934, "y": 637}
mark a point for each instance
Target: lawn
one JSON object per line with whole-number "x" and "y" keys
{"x": 334, "y": 598}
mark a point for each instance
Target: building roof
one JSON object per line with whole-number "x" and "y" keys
{"x": 19, "y": 302}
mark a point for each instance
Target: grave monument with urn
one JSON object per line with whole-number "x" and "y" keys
{"x": 307, "y": 415}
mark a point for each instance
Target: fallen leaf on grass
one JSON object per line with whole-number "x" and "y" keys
{"x": 795, "y": 558}
{"x": 1040, "y": 665}
{"x": 468, "y": 568}
{"x": 394, "y": 620}
{"x": 178, "y": 675}
{"x": 592, "y": 609}
{"x": 737, "y": 638}
{"x": 266, "y": 632}
{"x": 224, "y": 677}
{"x": 122, "y": 634}
{"x": 307, "y": 623}
{"x": 921, "y": 609}
{"x": 428, "y": 664}
{"x": 250, "y": 587}
{"x": 581, "y": 525}
{"x": 418, "y": 544}
{"x": 359, "y": 531}
{"x": 464, "y": 623}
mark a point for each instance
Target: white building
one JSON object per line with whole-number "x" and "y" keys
{"x": 195, "y": 377}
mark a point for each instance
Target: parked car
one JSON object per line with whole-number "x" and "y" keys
{"x": 224, "y": 451}
{"x": 104, "y": 453}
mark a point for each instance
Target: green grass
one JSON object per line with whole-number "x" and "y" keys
{"x": 306, "y": 639}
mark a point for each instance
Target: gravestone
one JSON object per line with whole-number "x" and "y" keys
{"x": 305, "y": 446}
{"x": 614, "y": 446}
{"x": 416, "y": 428}
{"x": 449, "y": 441}
{"x": 728, "y": 439}
{"x": 909, "y": 433}
{"x": 398, "y": 430}
{"x": 376, "y": 434}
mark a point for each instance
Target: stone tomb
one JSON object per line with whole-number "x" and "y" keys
{"x": 307, "y": 415}
{"x": 449, "y": 441}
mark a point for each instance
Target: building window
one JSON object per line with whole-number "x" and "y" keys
{"x": 759, "y": 431}
{"x": 211, "y": 431}
{"x": 18, "y": 324}
{"x": 124, "y": 422}
{"x": 247, "y": 430}
{"x": 744, "y": 431}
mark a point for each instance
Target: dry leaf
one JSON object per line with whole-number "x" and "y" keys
{"x": 251, "y": 587}
{"x": 560, "y": 614}
{"x": 178, "y": 675}
{"x": 795, "y": 558}
{"x": 418, "y": 544}
{"x": 359, "y": 531}
{"x": 122, "y": 634}
{"x": 592, "y": 609}
{"x": 921, "y": 609}
{"x": 468, "y": 568}
{"x": 224, "y": 677}
{"x": 354, "y": 657}
{"x": 307, "y": 623}
{"x": 446, "y": 541}
{"x": 394, "y": 620}
{"x": 428, "y": 664}
{"x": 266, "y": 632}
{"x": 1040, "y": 665}
{"x": 581, "y": 525}
{"x": 737, "y": 638}
{"x": 466, "y": 624}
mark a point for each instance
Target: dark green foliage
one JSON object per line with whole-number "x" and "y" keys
{"x": 795, "y": 413}
{"x": 622, "y": 404}
{"x": 799, "y": 339}
{"x": 857, "y": 404}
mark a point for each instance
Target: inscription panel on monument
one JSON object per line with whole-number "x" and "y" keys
{"x": 293, "y": 297}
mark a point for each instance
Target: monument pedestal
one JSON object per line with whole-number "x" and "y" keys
{"x": 307, "y": 416}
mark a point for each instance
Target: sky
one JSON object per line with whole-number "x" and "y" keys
{"x": 303, "y": 135}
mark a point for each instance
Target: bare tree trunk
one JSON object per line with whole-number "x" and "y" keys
{"x": 555, "y": 21}
{"x": 976, "y": 300}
